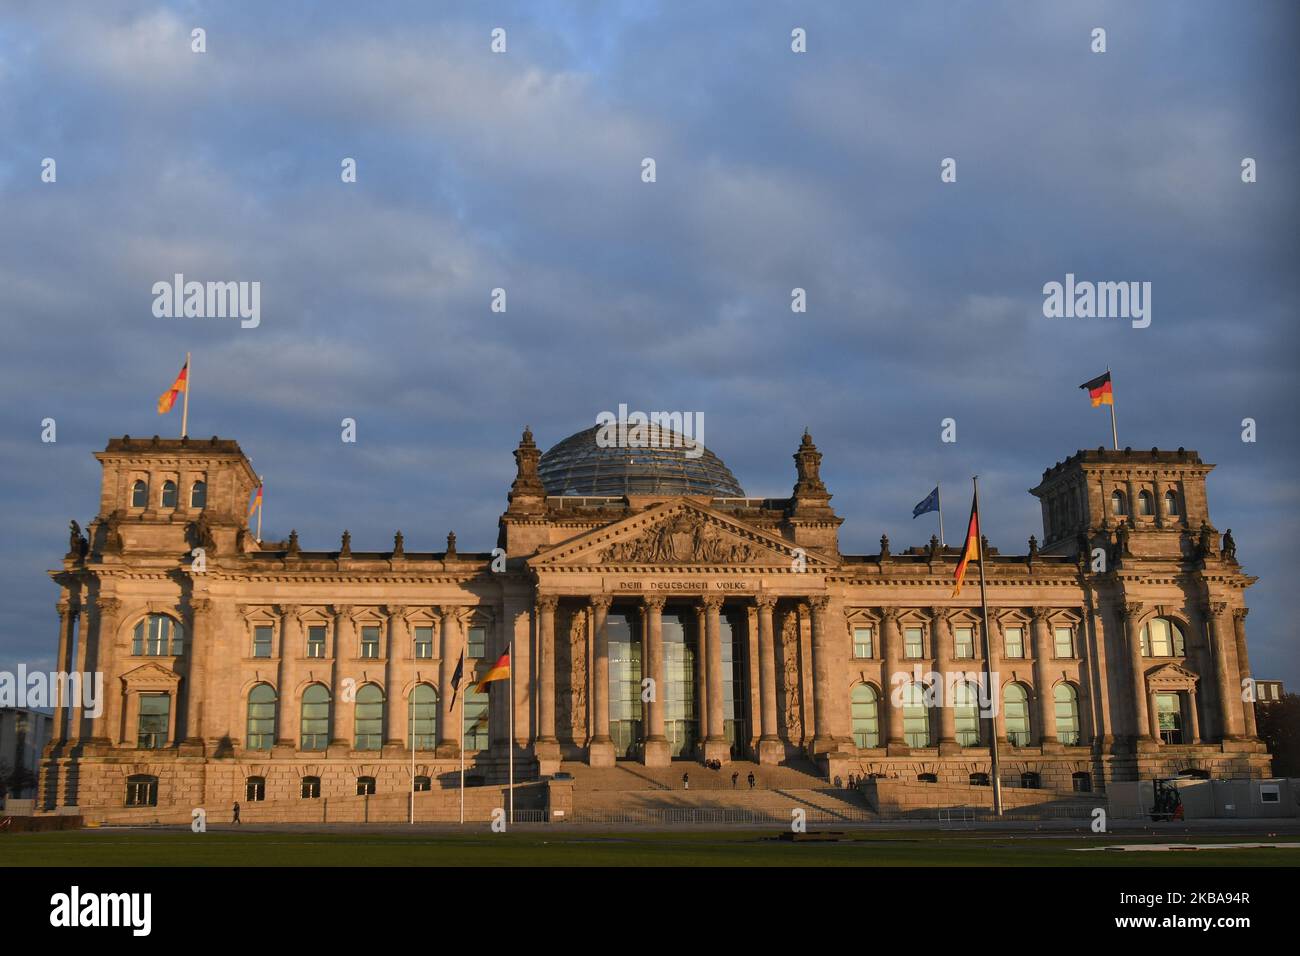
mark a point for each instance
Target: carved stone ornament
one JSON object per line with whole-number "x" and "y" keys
{"x": 680, "y": 539}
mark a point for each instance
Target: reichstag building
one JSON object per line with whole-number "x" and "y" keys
{"x": 244, "y": 670}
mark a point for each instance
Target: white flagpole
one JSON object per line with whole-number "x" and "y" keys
{"x": 939, "y": 502}
{"x": 410, "y": 704}
{"x": 185, "y": 407}
{"x": 261, "y": 498}
{"x": 1114, "y": 435}
{"x": 462, "y": 751}
{"x": 511, "y": 742}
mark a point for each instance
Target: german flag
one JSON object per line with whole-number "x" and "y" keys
{"x": 168, "y": 398}
{"x": 1099, "y": 390}
{"x": 257, "y": 501}
{"x": 971, "y": 550}
{"x": 500, "y": 671}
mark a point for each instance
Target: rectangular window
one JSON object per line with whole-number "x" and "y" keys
{"x": 862, "y": 642}
{"x": 155, "y": 715}
{"x": 1014, "y": 641}
{"x": 477, "y": 641}
{"x": 963, "y": 641}
{"x": 1064, "y": 637}
{"x": 476, "y": 721}
{"x": 424, "y": 643}
{"x": 316, "y": 641}
{"x": 263, "y": 635}
{"x": 913, "y": 643}
{"x": 370, "y": 642}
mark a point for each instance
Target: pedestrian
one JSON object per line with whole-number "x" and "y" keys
{"x": 686, "y": 781}
{"x": 734, "y": 777}
{"x": 235, "y": 819}
{"x": 751, "y": 780}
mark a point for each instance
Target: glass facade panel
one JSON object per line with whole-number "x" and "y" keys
{"x": 732, "y": 632}
{"x": 625, "y": 711}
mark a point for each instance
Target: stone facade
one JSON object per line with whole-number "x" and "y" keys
{"x": 639, "y": 627}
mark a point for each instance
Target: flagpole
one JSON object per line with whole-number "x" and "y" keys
{"x": 991, "y": 690}
{"x": 410, "y": 704}
{"x": 510, "y": 744}
{"x": 185, "y": 408}
{"x": 261, "y": 482}
{"x": 1114, "y": 435}
{"x": 938, "y": 500}
{"x": 463, "y": 757}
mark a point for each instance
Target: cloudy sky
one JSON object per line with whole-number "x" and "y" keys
{"x": 522, "y": 171}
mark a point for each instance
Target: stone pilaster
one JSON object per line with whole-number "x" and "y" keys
{"x": 197, "y": 647}
{"x": 1221, "y": 633}
{"x": 397, "y": 721}
{"x": 942, "y": 647}
{"x": 1132, "y": 611}
{"x": 656, "y": 743}
{"x": 1043, "y": 696}
{"x": 101, "y": 729}
{"x": 547, "y": 747}
{"x": 715, "y": 744}
{"x": 891, "y": 717}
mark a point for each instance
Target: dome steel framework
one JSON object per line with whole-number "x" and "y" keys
{"x": 579, "y": 466}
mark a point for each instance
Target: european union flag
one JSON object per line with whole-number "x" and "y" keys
{"x": 931, "y": 503}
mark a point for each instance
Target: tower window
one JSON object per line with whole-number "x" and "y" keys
{"x": 169, "y": 494}
{"x": 1118, "y": 503}
{"x": 199, "y": 494}
{"x": 140, "y": 495}
{"x": 1171, "y": 503}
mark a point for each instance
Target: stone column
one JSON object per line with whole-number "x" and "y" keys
{"x": 942, "y": 646}
{"x": 1042, "y": 679}
{"x": 656, "y": 744}
{"x": 1191, "y": 706}
{"x": 891, "y": 716}
{"x": 67, "y": 621}
{"x": 770, "y": 748}
{"x": 1243, "y": 668}
{"x": 715, "y": 745}
{"x": 1153, "y": 717}
{"x": 1229, "y": 696}
{"x": 341, "y": 648}
{"x": 701, "y": 677}
{"x": 600, "y": 751}
{"x": 197, "y": 644}
{"x": 103, "y": 657}
{"x": 450, "y": 732}
{"x": 547, "y": 747}
{"x": 1132, "y": 612}
{"x": 1131, "y": 491}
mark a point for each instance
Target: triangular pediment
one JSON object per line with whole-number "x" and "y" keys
{"x": 151, "y": 673}
{"x": 1171, "y": 675}
{"x": 679, "y": 533}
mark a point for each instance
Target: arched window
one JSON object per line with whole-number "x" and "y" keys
{"x": 476, "y": 721}
{"x": 423, "y": 784}
{"x": 169, "y": 494}
{"x": 310, "y": 788}
{"x": 315, "y": 718}
{"x": 365, "y": 786}
{"x": 1118, "y": 503}
{"x": 255, "y": 789}
{"x": 1066, "y": 700}
{"x": 979, "y": 780}
{"x": 139, "y": 495}
{"x": 1015, "y": 711}
{"x": 967, "y": 715}
{"x": 1029, "y": 780}
{"x": 866, "y": 716}
{"x": 1082, "y": 781}
{"x": 423, "y": 717}
{"x": 141, "y": 790}
{"x": 199, "y": 494}
{"x": 916, "y": 717}
{"x": 1171, "y": 503}
{"x": 369, "y": 718}
{"x": 158, "y": 636}
{"x": 261, "y": 717}
{"x": 1162, "y": 637}
{"x": 1146, "y": 505}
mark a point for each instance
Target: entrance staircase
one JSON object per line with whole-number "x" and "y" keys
{"x": 632, "y": 793}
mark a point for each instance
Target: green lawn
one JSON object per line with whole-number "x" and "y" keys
{"x": 109, "y": 847}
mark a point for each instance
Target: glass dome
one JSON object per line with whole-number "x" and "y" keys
{"x": 579, "y": 466}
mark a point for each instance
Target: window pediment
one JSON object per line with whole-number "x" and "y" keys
{"x": 1171, "y": 677}
{"x": 151, "y": 676}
